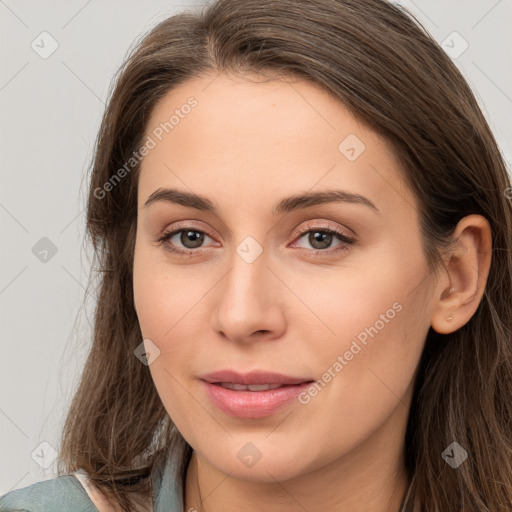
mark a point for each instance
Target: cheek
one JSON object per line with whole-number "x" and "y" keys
{"x": 380, "y": 321}
{"x": 163, "y": 294}
{"x": 168, "y": 315}
{"x": 361, "y": 299}
{"x": 168, "y": 303}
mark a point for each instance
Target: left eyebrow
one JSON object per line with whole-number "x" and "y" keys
{"x": 314, "y": 198}
{"x": 288, "y": 204}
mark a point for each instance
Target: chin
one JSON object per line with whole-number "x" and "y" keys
{"x": 260, "y": 461}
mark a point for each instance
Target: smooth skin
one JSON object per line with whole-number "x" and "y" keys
{"x": 246, "y": 146}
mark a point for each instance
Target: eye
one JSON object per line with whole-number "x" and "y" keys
{"x": 321, "y": 239}
{"x": 190, "y": 237}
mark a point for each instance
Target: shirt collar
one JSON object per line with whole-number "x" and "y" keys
{"x": 167, "y": 494}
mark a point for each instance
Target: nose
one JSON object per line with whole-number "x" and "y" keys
{"x": 248, "y": 304}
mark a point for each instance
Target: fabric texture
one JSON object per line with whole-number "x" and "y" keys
{"x": 67, "y": 494}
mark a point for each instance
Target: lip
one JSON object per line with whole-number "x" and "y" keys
{"x": 252, "y": 404}
{"x": 253, "y": 377}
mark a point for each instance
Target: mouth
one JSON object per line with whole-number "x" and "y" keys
{"x": 249, "y": 387}
{"x": 252, "y": 395}
{"x": 252, "y": 378}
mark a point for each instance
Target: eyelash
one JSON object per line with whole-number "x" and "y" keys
{"x": 342, "y": 237}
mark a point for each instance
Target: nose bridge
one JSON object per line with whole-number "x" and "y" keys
{"x": 244, "y": 303}
{"x": 248, "y": 262}
{"x": 245, "y": 284}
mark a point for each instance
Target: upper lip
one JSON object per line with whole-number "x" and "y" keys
{"x": 253, "y": 377}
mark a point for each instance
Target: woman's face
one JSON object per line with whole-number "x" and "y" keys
{"x": 261, "y": 282}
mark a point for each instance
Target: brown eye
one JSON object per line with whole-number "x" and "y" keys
{"x": 321, "y": 240}
{"x": 194, "y": 238}
{"x": 186, "y": 240}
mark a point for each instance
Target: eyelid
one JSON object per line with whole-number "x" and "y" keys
{"x": 342, "y": 234}
{"x": 164, "y": 238}
{"x": 320, "y": 225}
{"x": 186, "y": 225}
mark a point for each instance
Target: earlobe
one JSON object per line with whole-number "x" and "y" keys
{"x": 444, "y": 314}
{"x": 467, "y": 270}
{"x": 449, "y": 318}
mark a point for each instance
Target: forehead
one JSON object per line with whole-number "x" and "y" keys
{"x": 255, "y": 112}
{"x": 259, "y": 137}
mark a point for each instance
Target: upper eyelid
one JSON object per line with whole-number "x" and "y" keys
{"x": 299, "y": 232}
{"x": 319, "y": 224}
{"x": 328, "y": 227}
{"x": 346, "y": 241}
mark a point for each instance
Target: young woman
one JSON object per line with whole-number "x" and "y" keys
{"x": 303, "y": 227}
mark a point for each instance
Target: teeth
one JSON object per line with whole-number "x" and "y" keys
{"x": 250, "y": 387}
{"x": 263, "y": 387}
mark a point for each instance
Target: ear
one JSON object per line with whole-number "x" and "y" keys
{"x": 467, "y": 266}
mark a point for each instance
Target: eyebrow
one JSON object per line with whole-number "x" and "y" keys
{"x": 286, "y": 205}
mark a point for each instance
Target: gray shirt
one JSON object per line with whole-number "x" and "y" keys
{"x": 66, "y": 493}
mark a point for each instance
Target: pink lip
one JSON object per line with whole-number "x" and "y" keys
{"x": 252, "y": 404}
{"x": 253, "y": 377}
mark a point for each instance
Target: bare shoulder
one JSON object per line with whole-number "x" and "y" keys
{"x": 61, "y": 494}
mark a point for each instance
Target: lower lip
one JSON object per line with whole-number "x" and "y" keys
{"x": 253, "y": 404}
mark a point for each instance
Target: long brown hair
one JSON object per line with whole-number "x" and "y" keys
{"x": 391, "y": 74}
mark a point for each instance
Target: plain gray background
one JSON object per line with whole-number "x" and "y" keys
{"x": 51, "y": 108}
